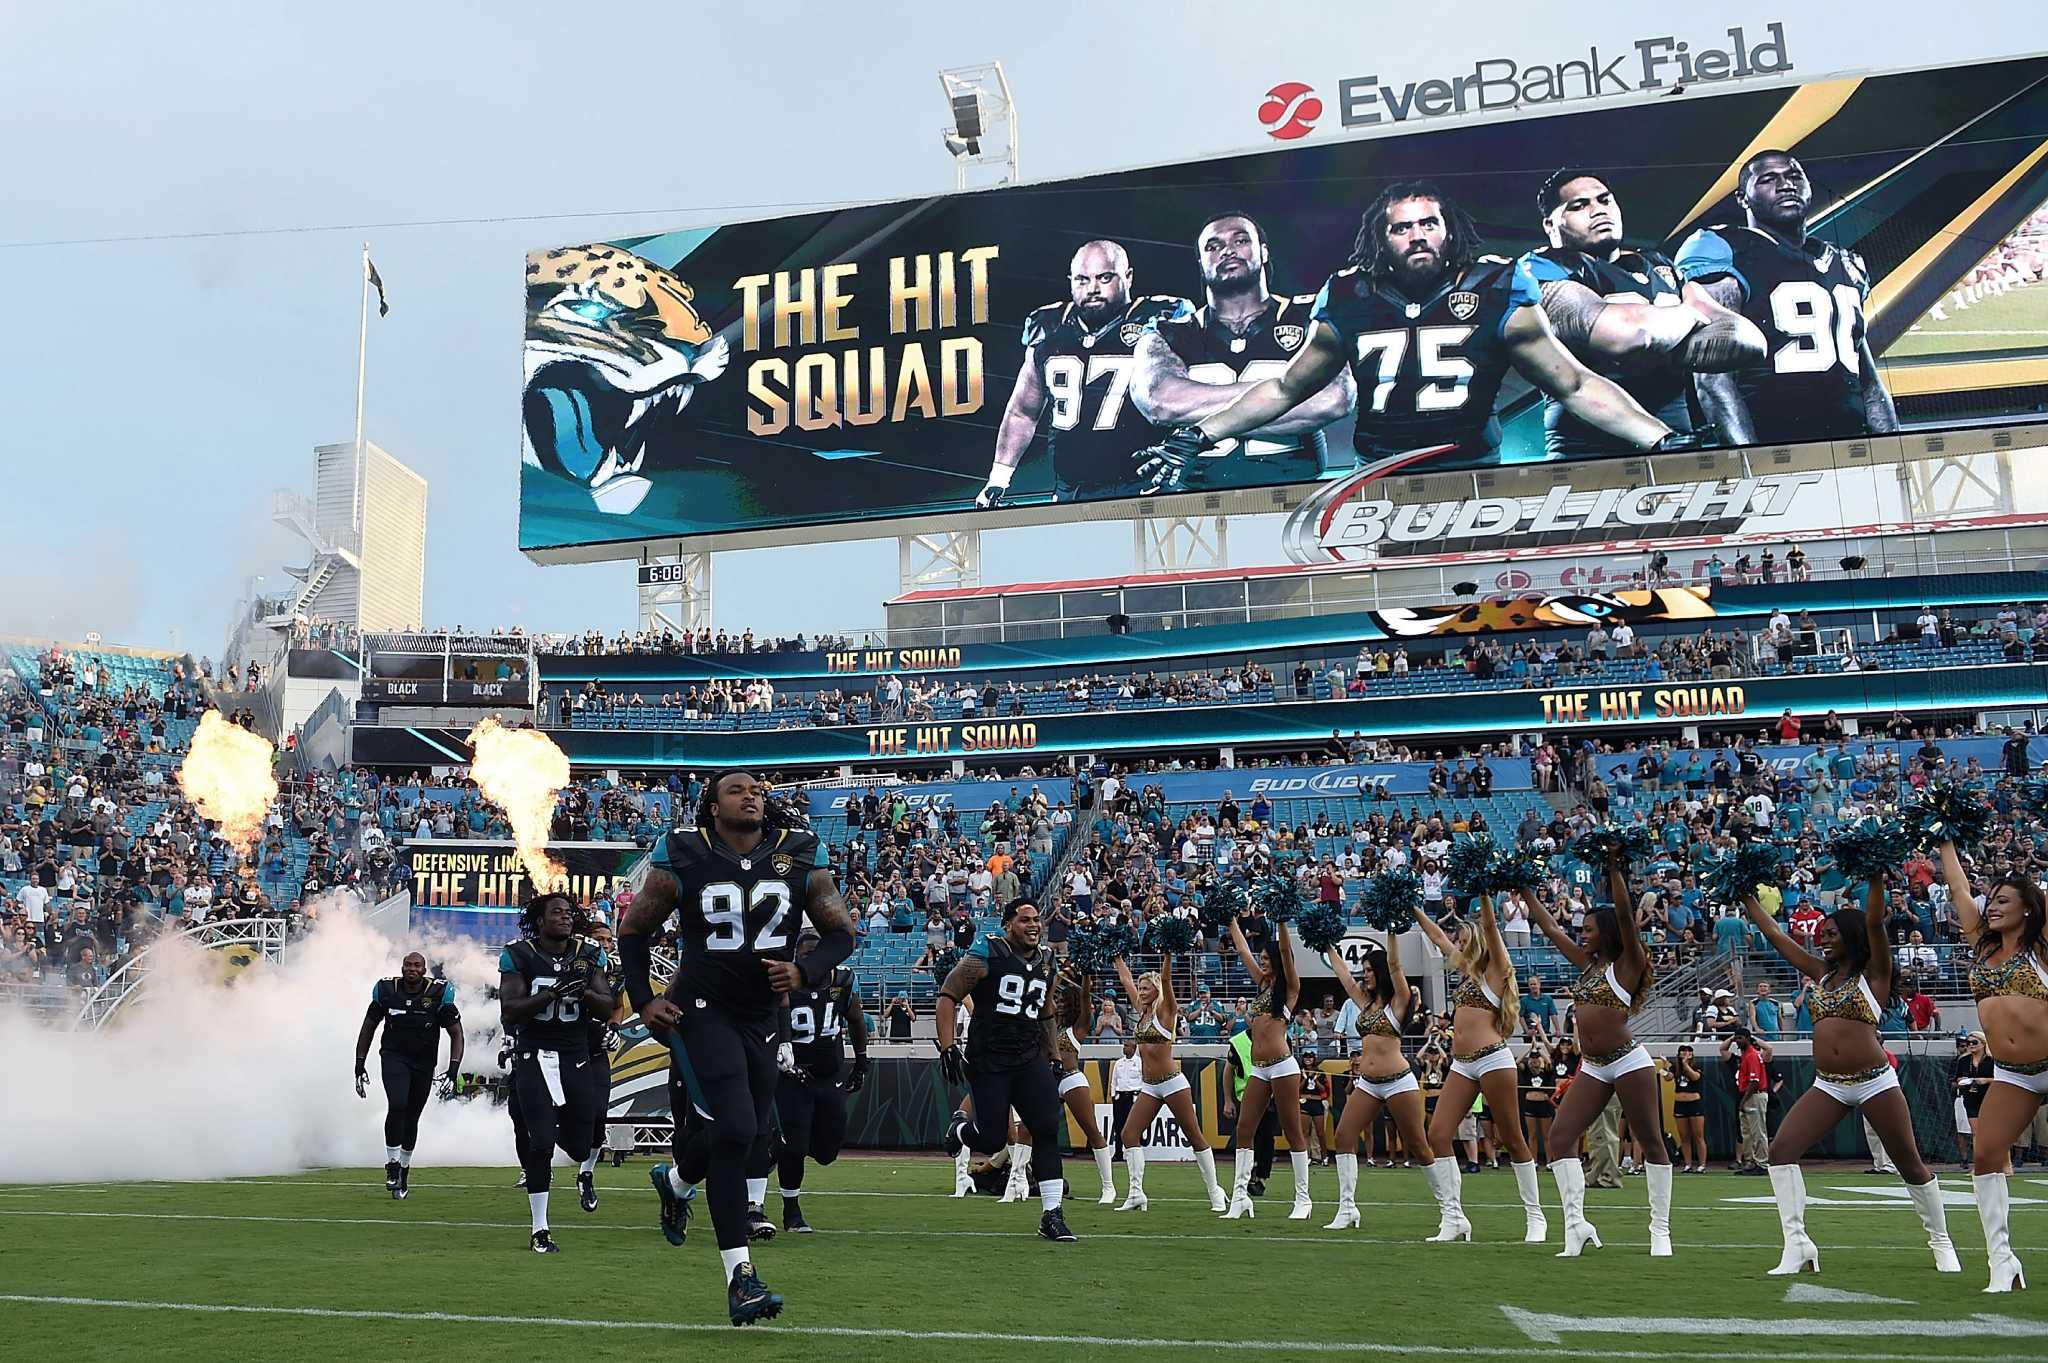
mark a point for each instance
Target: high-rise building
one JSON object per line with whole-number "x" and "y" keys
{"x": 367, "y": 527}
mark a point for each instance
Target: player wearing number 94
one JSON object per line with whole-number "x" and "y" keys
{"x": 741, "y": 884}
{"x": 1008, "y": 1062}
{"x": 1430, "y": 327}
{"x": 1818, "y": 380}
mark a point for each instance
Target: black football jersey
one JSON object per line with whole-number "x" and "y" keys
{"x": 1214, "y": 353}
{"x": 817, "y": 1024}
{"x": 413, "y": 1022}
{"x": 1631, "y": 276}
{"x": 561, "y": 1026}
{"x": 1808, "y": 302}
{"x": 1009, "y": 1004}
{"x": 1428, "y": 369}
{"x": 734, "y": 912}
{"x": 1091, "y": 426}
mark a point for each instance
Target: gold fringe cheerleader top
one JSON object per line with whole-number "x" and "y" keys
{"x": 1474, "y": 992}
{"x": 1599, "y": 987}
{"x": 1150, "y": 1031}
{"x": 1852, "y": 999}
{"x": 1379, "y": 1022}
{"x": 2012, "y": 980}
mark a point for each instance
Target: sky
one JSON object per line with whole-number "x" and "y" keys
{"x": 189, "y": 188}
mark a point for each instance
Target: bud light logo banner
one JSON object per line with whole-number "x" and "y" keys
{"x": 1753, "y": 265}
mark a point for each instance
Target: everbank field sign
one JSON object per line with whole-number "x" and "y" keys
{"x": 1295, "y": 108}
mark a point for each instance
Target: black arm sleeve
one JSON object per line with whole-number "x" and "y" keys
{"x": 635, "y": 953}
{"x": 834, "y": 946}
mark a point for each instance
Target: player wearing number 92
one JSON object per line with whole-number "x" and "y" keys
{"x": 741, "y": 884}
{"x": 1008, "y": 1062}
{"x": 1076, "y": 381}
{"x": 1819, "y": 380}
{"x": 1430, "y": 328}
{"x": 548, "y": 984}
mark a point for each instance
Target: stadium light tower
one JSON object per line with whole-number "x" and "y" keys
{"x": 981, "y": 127}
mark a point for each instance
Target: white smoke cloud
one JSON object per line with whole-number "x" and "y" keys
{"x": 196, "y": 1080}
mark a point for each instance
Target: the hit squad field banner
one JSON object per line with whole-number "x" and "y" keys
{"x": 1749, "y": 265}
{"x": 474, "y": 887}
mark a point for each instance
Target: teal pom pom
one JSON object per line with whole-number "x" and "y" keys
{"x": 1222, "y": 901}
{"x": 1170, "y": 934}
{"x": 1870, "y": 848}
{"x": 1513, "y": 871}
{"x": 1095, "y": 948}
{"x": 1390, "y": 900}
{"x": 1321, "y": 926}
{"x": 1632, "y": 841}
{"x": 1947, "y": 813}
{"x": 1468, "y": 865}
{"x": 1278, "y": 897}
{"x": 1734, "y": 876}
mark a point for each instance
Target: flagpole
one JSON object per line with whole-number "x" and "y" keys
{"x": 362, "y": 353}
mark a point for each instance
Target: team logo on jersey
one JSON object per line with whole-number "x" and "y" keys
{"x": 1668, "y": 275}
{"x": 781, "y": 863}
{"x": 1129, "y": 332}
{"x": 1464, "y": 305}
{"x": 1288, "y": 337}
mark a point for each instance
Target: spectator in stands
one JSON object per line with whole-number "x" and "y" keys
{"x": 1923, "y": 1014}
{"x": 1539, "y": 1010}
{"x": 899, "y": 1018}
{"x": 1764, "y": 1017}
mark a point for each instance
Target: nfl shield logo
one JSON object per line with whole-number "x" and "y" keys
{"x": 1464, "y": 305}
{"x": 1668, "y": 275}
{"x": 1129, "y": 332}
{"x": 1288, "y": 337}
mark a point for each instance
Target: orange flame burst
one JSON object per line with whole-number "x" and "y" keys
{"x": 228, "y": 775}
{"x": 521, "y": 771}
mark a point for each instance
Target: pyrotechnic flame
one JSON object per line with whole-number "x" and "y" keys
{"x": 521, "y": 771}
{"x": 228, "y": 776}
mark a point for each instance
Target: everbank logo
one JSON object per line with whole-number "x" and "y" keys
{"x": 1290, "y": 110}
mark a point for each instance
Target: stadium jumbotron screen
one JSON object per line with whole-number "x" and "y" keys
{"x": 1766, "y": 266}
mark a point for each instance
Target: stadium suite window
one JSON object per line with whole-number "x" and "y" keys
{"x": 1216, "y": 596}
{"x": 1031, "y": 606}
{"x": 1277, "y": 591}
{"x": 1082, "y": 605}
{"x": 974, "y": 610}
{"x": 1151, "y": 599}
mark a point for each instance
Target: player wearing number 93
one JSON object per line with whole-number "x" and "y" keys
{"x": 1819, "y": 380}
{"x": 741, "y": 884}
{"x": 1008, "y": 1062}
{"x": 548, "y": 985}
{"x": 1076, "y": 381}
{"x": 1430, "y": 327}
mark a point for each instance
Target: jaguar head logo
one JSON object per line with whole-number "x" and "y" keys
{"x": 615, "y": 350}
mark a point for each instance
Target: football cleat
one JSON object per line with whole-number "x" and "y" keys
{"x": 956, "y": 1133}
{"x": 793, "y": 1218}
{"x": 543, "y": 1243}
{"x": 1053, "y": 1226}
{"x": 391, "y": 1177}
{"x": 747, "y": 1300}
{"x": 759, "y": 1227}
{"x": 404, "y": 1182}
{"x": 586, "y": 1191}
{"x": 675, "y": 1208}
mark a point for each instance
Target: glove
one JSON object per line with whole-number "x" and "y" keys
{"x": 953, "y": 1064}
{"x": 785, "y": 1058}
{"x": 362, "y": 1081}
{"x": 1164, "y": 467}
{"x": 858, "y": 1078}
{"x": 1680, "y": 442}
{"x": 505, "y": 1049}
{"x": 451, "y": 1080}
{"x": 991, "y": 496}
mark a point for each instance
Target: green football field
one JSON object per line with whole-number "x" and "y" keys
{"x": 2013, "y": 321}
{"x": 327, "y": 1266}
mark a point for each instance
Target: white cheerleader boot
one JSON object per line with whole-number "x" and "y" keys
{"x": 1535, "y": 1226}
{"x": 1135, "y": 1201}
{"x": 1303, "y": 1208}
{"x": 1934, "y": 1219}
{"x": 963, "y": 1178}
{"x": 1240, "y": 1188}
{"x": 1103, "y": 1157}
{"x": 1994, "y": 1207}
{"x": 1788, "y": 1186}
{"x": 1446, "y": 1180}
{"x": 1571, "y": 1191}
{"x": 1205, "y": 1160}
{"x": 1658, "y": 1176}
{"x": 1018, "y": 1188}
{"x": 1347, "y": 1194}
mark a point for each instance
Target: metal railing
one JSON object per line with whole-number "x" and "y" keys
{"x": 268, "y": 935}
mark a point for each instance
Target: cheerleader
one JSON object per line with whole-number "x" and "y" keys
{"x": 2009, "y": 980}
{"x": 1852, "y": 978}
{"x": 1614, "y": 973}
{"x": 1275, "y": 1076}
{"x": 1072, "y": 989}
{"x": 1486, "y": 1007}
{"x": 1164, "y": 1085}
{"x": 1383, "y": 1079}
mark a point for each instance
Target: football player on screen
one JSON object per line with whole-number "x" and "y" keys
{"x": 1819, "y": 380}
{"x": 1431, "y": 328}
{"x": 1621, "y": 310}
{"x": 1193, "y": 366}
{"x": 1077, "y": 363}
